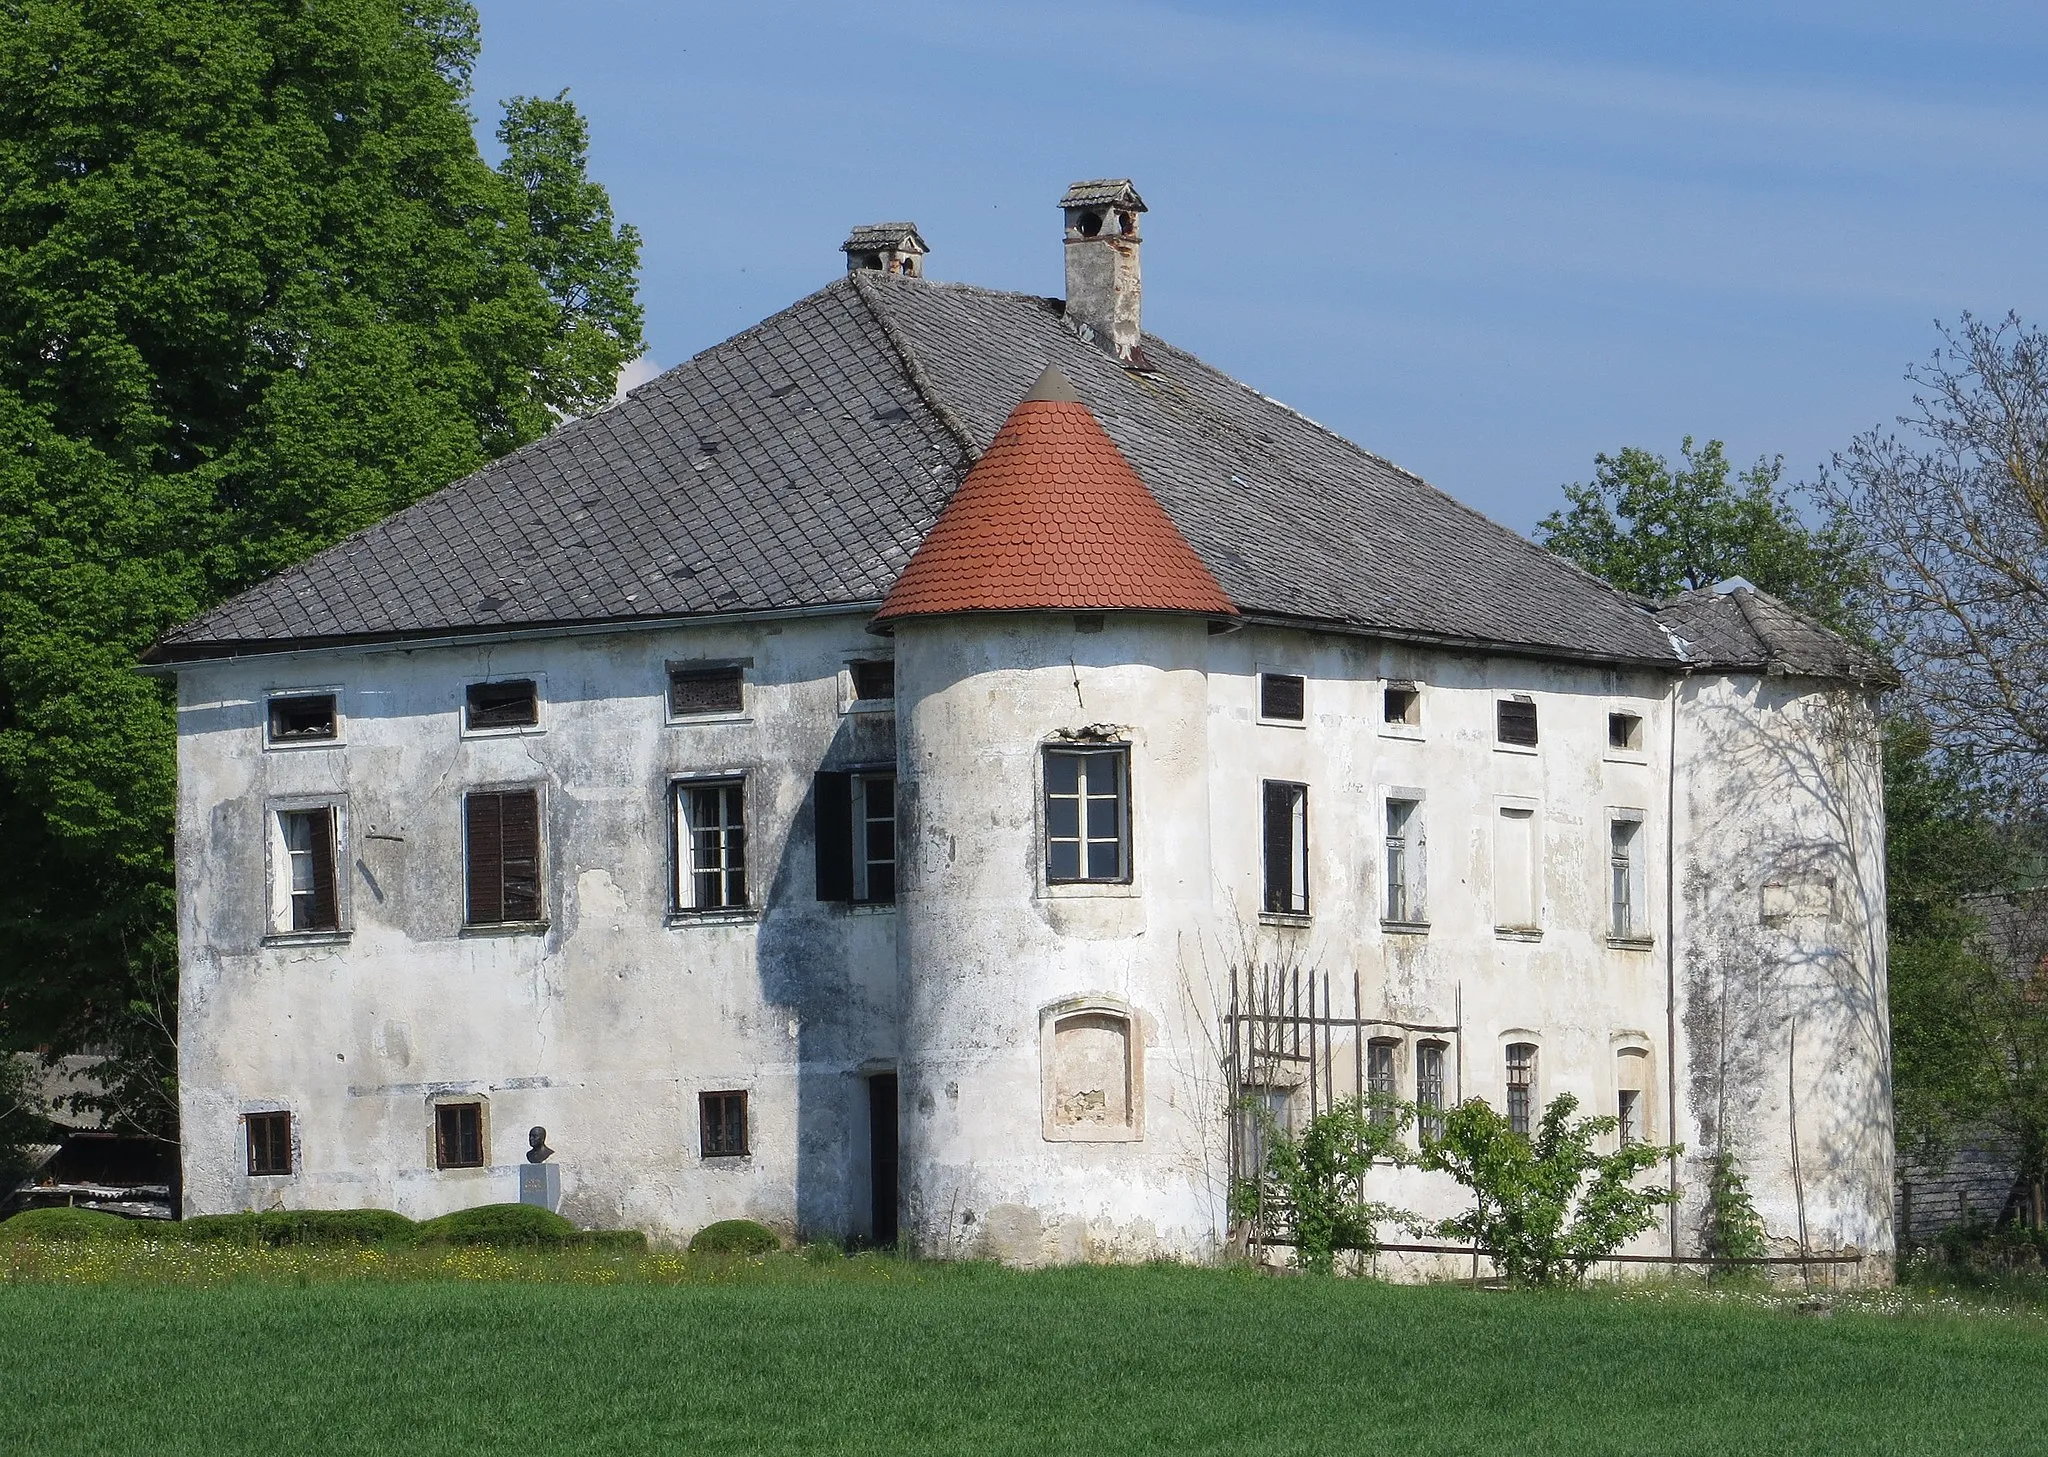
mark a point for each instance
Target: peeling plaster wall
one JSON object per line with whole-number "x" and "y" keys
{"x": 605, "y": 1027}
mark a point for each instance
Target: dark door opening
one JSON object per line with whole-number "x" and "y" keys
{"x": 882, "y": 1155}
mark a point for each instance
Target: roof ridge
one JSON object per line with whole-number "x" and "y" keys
{"x": 912, "y": 369}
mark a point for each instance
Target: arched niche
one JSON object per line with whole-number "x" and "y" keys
{"x": 1091, "y": 1062}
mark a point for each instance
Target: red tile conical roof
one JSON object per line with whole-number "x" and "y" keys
{"x": 1053, "y": 517}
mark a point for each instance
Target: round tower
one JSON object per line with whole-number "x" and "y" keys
{"x": 1061, "y": 1094}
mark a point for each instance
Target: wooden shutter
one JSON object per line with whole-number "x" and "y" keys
{"x": 693, "y": 691}
{"x": 1282, "y": 696}
{"x": 326, "y": 899}
{"x": 522, "y": 855}
{"x": 1279, "y": 828}
{"x": 1517, "y": 722}
{"x": 485, "y": 840}
{"x": 832, "y": 814}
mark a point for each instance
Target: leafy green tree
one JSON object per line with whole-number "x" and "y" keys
{"x": 1655, "y": 529}
{"x": 1731, "y": 1231}
{"x": 21, "y": 1122}
{"x": 1548, "y": 1207}
{"x": 258, "y": 288}
{"x": 1316, "y": 1176}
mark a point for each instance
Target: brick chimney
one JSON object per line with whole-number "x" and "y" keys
{"x": 1103, "y": 293}
{"x": 885, "y": 248}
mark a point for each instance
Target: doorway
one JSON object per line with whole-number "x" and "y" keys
{"x": 882, "y": 1156}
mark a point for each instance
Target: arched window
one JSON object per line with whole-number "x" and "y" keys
{"x": 1521, "y": 1084}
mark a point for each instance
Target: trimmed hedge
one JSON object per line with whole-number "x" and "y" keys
{"x": 503, "y": 1225}
{"x": 734, "y": 1237}
{"x": 303, "y": 1227}
{"x": 71, "y": 1224}
{"x": 607, "y": 1241}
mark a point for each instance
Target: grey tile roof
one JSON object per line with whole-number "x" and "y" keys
{"x": 1736, "y": 628}
{"x": 875, "y": 236}
{"x": 1104, "y": 192}
{"x": 798, "y": 465}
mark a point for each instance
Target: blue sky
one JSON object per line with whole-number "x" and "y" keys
{"x": 1484, "y": 240}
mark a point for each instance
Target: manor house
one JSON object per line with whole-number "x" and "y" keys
{"x": 884, "y": 777}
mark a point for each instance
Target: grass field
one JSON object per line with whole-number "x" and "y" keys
{"x": 227, "y": 1352}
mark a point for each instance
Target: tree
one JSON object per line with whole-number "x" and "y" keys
{"x": 258, "y": 288}
{"x": 1656, "y": 531}
{"x": 1548, "y": 1208}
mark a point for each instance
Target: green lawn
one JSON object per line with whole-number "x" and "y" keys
{"x": 876, "y": 1356}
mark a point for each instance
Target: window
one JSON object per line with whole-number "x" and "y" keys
{"x": 723, "y": 1117}
{"x": 1632, "y": 1097}
{"x": 1624, "y": 878}
{"x": 873, "y": 680}
{"x": 1521, "y": 1084}
{"x": 302, "y": 718}
{"x": 1404, "y": 862}
{"x": 1283, "y": 696}
{"x": 1429, "y": 1088}
{"x": 514, "y": 703}
{"x": 1514, "y": 869}
{"x": 459, "y": 1136}
{"x": 1629, "y": 1112}
{"x": 308, "y": 895}
{"x": 1286, "y": 847}
{"x": 1403, "y": 704}
{"x": 1379, "y": 1078}
{"x": 1087, "y": 815}
{"x": 1624, "y": 731}
{"x": 856, "y": 836}
{"x": 502, "y": 839}
{"x": 711, "y": 845}
{"x": 698, "y": 692}
{"x": 1515, "y": 721}
{"x": 270, "y": 1143}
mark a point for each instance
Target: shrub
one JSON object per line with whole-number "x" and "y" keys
{"x": 506, "y": 1226}
{"x": 734, "y": 1237}
{"x": 68, "y": 1224}
{"x": 303, "y": 1227}
{"x": 1732, "y": 1229}
{"x": 1317, "y": 1175}
{"x": 607, "y": 1241}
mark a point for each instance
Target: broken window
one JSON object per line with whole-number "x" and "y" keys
{"x": 1514, "y": 869}
{"x": 1429, "y": 1088}
{"x": 513, "y": 703}
{"x": 310, "y": 895}
{"x": 1521, "y": 1067}
{"x": 1404, "y": 862}
{"x": 1087, "y": 814}
{"x": 1631, "y": 1101}
{"x": 1283, "y": 696}
{"x": 1379, "y": 1078}
{"x": 1402, "y": 704}
{"x": 723, "y": 1119}
{"x": 1286, "y": 848}
{"x": 1624, "y": 731}
{"x": 270, "y": 1143}
{"x": 459, "y": 1136}
{"x": 856, "y": 836}
{"x": 302, "y": 718}
{"x": 1516, "y": 721}
{"x": 698, "y": 692}
{"x": 873, "y": 680}
{"x": 1624, "y": 877}
{"x": 711, "y": 845}
{"x": 501, "y": 835}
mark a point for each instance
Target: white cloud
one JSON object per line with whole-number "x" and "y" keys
{"x": 636, "y": 373}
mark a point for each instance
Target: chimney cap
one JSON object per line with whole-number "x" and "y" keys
{"x": 1105, "y": 192}
{"x": 881, "y": 237}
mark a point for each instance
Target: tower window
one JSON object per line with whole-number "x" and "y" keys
{"x": 1087, "y": 814}
{"x": 459, "y": 1136}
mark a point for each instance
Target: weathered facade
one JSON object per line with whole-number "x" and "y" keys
{"x": 793, "y": 844}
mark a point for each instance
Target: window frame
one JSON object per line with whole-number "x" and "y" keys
{"x": 683, "y": 871}
{"x": 1431, "y": 1094}
{"x": 283, "y": 695}
{"x": 1502, "y": 703}
{"x": 1401, "y": 728}
{"x": 1529, "y": 1087}
{"x": 1054, "y": 1016}
{"x": 1267, "y": 676}
{"x": 509, "y": 730}
{"x": 442, "y": 1108}
{"x": 864, "y": 858}
{"x": 851, "y": 699}
{"x": 278, "y": 869}
{"x": 1632, "y": 751}
{"x": 1382, "y": 1076}
{"x": 1414, "y": 844}
{"x": 1301, "y": 905}
{"x": 1119, "y": 754}
{"x": 269, "y": 1117}
{"x": 723, "y": 1096}
{"x": 684, "y": 667}
{"x": 506, "y": 925}
{"x": 1638, "y": 933}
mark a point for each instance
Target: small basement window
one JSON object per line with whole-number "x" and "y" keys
{"x": 302, "y": 718}
{"x": 698, "y": 692}
{"x": 514, "y": 703}
{"x": 459, "y": 1136}
{"x": 1624, "y": 731}
{"x": 270, "y": 1143}
{"x": 873, "y": 680}
{"x": 1515, "y": 721}
{"x": 1403, "y": 704}
{"x": 1283, "y": 696}
{"x": 723, "y": 1117}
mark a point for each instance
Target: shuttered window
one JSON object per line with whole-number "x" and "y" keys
{"x": 309, "y": 869}
{"x": 1286, "y": 848}
{"x": 1516, "y": 722}
{"x": 502, "y": 833}
{"x": 1282, "y": 696}
{"x": 695, "y": 692}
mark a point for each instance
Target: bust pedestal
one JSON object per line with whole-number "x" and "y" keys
{"x": 541, "y": 1184}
